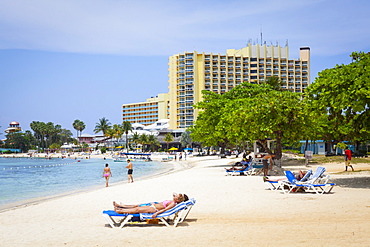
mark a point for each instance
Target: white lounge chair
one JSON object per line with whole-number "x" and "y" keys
{"x": 178, "y": 214}
{"x": 295, "y": 185}
{"x": 275, "y": 185}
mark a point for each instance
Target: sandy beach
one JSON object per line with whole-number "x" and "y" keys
{"x": 230, "y": 211}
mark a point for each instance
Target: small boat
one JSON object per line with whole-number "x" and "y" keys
{"x": 122, "y": 159}
{"x": 135, "y": 157}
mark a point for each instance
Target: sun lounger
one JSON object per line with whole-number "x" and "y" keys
{"x": 178, "y": 214}
{"x": 294, "y": 185}
{"x": 249, "y": 170}
{"x": 275, "y": 185}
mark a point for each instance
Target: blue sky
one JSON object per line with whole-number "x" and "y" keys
{"x": 63, "y": 60}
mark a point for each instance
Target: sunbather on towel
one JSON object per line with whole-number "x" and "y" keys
{"x": 244, "y": 163}
{"x": 233, "y": 168}
{"x": 298, "y": 176}
{"x": 155, "y": 208}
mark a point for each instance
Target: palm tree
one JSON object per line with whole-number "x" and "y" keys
{"x": 168, "y": 138}
{"x": 109, "y": 133}
{"x": 126, "y": 127}
{"x": 274, "y": 81}
{"x": 153, "y": 141}
{"x": 135, "y": 138}
{"x": 103, "y": 125}
{"x": 186, "y": 139}
{"x": 35, "y": 126}
{"x": 143, "y": 139}
{"x": 117, "y": 131}
{"x": 79, "y": 126}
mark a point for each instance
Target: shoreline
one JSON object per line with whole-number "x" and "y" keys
{"x": 176, "y": 167}
{"x": 227, "y": 208}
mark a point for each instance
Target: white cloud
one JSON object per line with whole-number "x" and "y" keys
{"x": 167, "y": 27}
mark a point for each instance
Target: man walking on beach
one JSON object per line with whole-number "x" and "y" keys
{"x": 129, "y": 172}
{"x": 348, "y": 157}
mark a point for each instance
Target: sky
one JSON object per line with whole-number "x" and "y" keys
{"x": 64, "y": 60}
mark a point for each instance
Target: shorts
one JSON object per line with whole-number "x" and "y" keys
{"x": 265, "y": 164}
{"x": 130, "y": 171}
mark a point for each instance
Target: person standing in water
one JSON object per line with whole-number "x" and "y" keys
{"x": 130, "y": 171}
{"x": 106, "y": 174}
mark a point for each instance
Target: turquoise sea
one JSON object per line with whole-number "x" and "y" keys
{"x": 27, "y": 180}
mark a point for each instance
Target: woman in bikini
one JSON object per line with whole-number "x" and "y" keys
{"x": 106, "y": 174}
{"x": 155, "y": 208}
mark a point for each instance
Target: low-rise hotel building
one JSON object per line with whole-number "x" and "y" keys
{"x": 148, "y": 112}
{"x": 192, "y": 72}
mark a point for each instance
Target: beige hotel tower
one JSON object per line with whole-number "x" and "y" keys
{"x": 192, "y": 72}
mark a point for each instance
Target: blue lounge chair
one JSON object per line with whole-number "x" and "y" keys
{"x": 179, "y": 213}
{"x": 295, "y": 185}
{"x": 275, "y": 185}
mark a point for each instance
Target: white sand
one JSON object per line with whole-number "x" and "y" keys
{"x": 230, "y": 211}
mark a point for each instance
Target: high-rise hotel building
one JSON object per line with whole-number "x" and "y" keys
{"x": 192, "y": 72}
{"x": 148, "y": 112}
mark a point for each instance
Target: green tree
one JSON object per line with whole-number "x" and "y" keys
{"x": 18, "y": 140}
{"x": 143, "y": 139}
{"x": 340, "y": 98}
{"x": 153, "y": 142}
{"x": 249, "y": 112}
{"x": 117, "y": 131}
{"x": 207, "y": 129}
{"x": 274, "y": 82}
{"x": 277, "y": 115}
{"x": 186, "y": 140}
{"x": 55, "y": 146}
{"x": 103, "y": 125}
{"x": 126, "y": 127}
{"x": 110, "y": 133}
{"x": 168, "y": 138}
{"x": 79, "y": 126}
{"x": 135, "y": 138}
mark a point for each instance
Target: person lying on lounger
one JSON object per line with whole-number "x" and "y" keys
{"x": 155, "y": 208}
{"x": 233, "y": 168}
{"x": 245, "y": 163}
{"x": 298, "y": 176}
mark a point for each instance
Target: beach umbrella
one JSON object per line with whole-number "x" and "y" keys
{"x": 173, "y": 148}
{"x": 188, "y": 149}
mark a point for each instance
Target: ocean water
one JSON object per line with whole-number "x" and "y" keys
{"x": 26, "y": 180}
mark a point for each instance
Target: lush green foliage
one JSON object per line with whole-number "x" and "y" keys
{"x": 168, "y": 138}
{"x": 340, "y": 98}
{"x": 249, "y": 112}
{"x": 126, "y": 127}
{"x": 186, "y": 140}
{"x": 47, "y": 133}
{"x": 103, "y": 125}
{"x": 336, "y": 107}
{"x": 79, "y": 126}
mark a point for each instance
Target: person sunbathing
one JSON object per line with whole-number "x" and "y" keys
{"x": 298, "y": 176}
{"x": 244, "y": 165}
{"x": 233, "y": 168}
{"x": 155, "y": 208}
